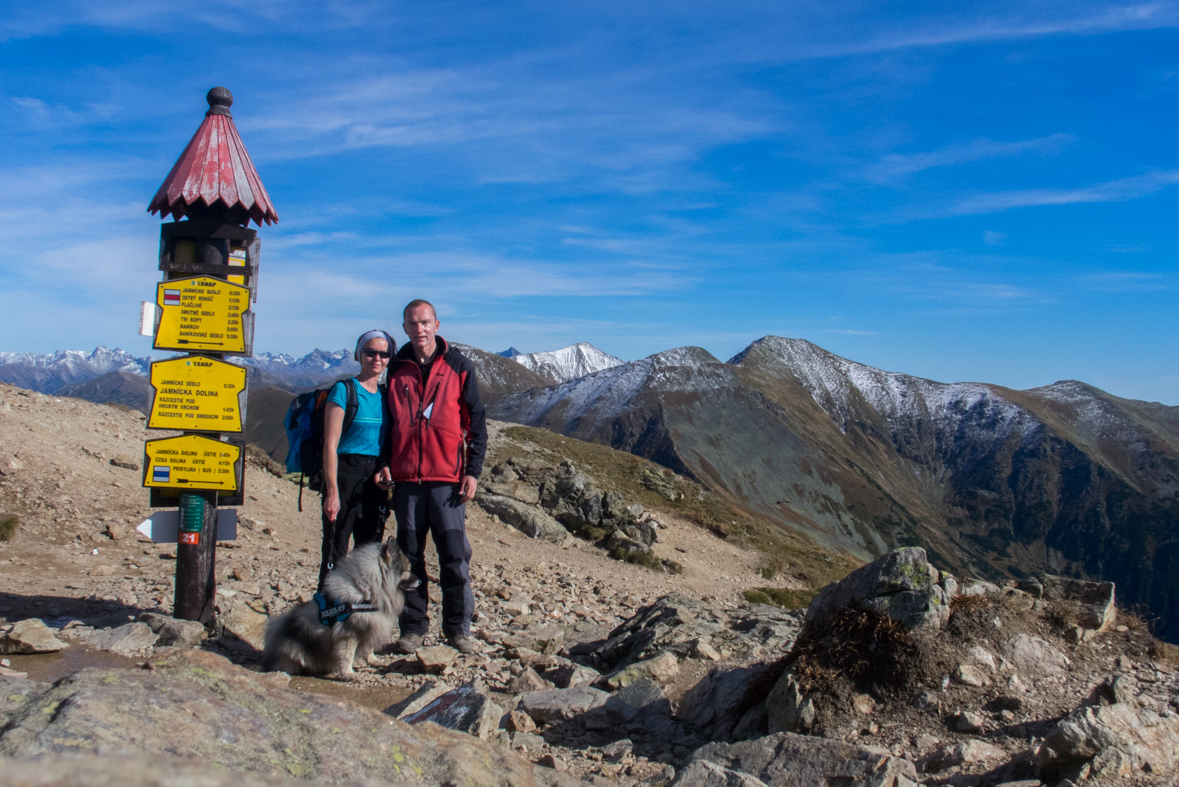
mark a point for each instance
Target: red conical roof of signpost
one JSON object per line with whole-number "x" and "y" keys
{"x": 215, "y": 166}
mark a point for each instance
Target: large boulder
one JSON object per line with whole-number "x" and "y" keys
{"x": 788, "y": 760}
{"x": 1031, "y": 655}
{"x": 690, "y": 629}
{"x": 469, "y": 708}
{"x": 1099, "y": 611}
{"x": 717, "y": 704}
{"x": 30, "y": 636}
{"x": 198, "y": 706}
{"x": 529, "y": 520}
{"x": 1111, "y": 742}
{"x": 173, "y": 632}
{"x": 126, "y": 640}
{"x": 667, "y": 625}
{"x": 550, "y": 706}
{"x": 788, "y": 707}
{"x": 902, "y": 584}
{"x": 245, "y": 624}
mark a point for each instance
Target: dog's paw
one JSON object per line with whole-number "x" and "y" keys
{"x": 373, "y": 660}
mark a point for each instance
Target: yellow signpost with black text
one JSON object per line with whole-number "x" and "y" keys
{"x": 197, "y": 394}
{"x": 201, "y": 314}
{"x": 192, "y": 462}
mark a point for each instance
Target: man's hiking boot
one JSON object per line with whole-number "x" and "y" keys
{"x": 409, "y": 643}
{"x": 462, "y": 643}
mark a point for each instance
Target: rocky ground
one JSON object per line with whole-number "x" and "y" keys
{"x": 621, "y": 672}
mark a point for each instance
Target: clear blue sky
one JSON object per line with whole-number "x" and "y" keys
{"x": 961, "y": 191}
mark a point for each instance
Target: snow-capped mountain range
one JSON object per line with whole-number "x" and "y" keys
{"x": 314, "y": 368}
{"x": 568, "y": 363}
{"x": 994, "y": 482}
{"x": 101, "y": 360}
{"x": 49, "y": 372}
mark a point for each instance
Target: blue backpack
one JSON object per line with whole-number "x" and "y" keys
{"x": 304, "y": 425}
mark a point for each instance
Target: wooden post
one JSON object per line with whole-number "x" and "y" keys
{"x": 196, "y": 557}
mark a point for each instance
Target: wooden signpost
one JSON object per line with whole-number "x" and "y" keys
{"x": 209, "y": 260}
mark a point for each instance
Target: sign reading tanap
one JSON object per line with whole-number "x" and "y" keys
{"x": 197, "y": 394}
{"x": 201, "y": 313}
{"x": 192, "y": 462}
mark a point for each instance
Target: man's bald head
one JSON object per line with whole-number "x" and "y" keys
{"x": 416, "y": 302}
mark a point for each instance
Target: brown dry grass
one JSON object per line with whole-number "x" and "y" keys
{"x": 865, "y": 647}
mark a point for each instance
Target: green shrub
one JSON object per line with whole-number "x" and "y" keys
{"x": 645, "y": 559}
{"x": 8, "y": 526}
{"x": 781, "y": 597}
{"x": 757, "y": 597}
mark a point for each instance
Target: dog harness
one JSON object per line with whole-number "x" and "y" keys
{"x": 340, "y": 610}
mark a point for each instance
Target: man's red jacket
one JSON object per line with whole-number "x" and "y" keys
{"x": 437, "y": 426}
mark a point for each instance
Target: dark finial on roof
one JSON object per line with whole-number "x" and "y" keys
{"x": 220, "y": 100}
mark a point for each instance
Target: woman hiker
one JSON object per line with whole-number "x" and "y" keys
{"x": 354, "y": 507}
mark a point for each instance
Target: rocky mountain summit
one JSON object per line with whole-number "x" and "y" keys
{"x": 568, "y": 363}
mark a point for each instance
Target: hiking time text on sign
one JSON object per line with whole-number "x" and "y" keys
{"x": 201, "y": 314}
{"x": 195, "y": 393}
{"x": 192, "y": 462}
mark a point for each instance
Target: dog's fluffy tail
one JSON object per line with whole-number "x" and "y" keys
{"x": 279, "y": 631}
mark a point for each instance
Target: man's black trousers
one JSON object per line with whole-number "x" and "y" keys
{"x": 434, "y": 508}
{"x": 363, "y": 510}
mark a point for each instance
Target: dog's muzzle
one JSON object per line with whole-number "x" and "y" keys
{"x": 408, "y": 584}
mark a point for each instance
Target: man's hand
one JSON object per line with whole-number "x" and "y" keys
{"x": 383, "y": 478}
{"x": 467, "y": 488}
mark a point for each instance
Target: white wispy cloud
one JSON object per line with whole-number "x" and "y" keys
{"x": 1119, "y": 190}
{"x": 1103, "y": 19}
{"x": 1128, "y": 281}
{"x": 462, "y": 276}
{"x": 896, "y": 165}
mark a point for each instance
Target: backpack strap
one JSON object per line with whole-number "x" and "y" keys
{"x": 352, "y": 405}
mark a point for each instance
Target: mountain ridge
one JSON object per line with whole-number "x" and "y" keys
{"x": 1063, "y": 478}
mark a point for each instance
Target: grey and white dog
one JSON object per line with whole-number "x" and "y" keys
{"x": 373, "y": 575}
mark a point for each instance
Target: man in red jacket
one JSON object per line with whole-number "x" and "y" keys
{"x": 437, "y": 440}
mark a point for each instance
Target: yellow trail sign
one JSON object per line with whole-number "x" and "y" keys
{"x": 201, "y": 313}
{"x": 195, "y": 393}
{"x": 192, "y": 462}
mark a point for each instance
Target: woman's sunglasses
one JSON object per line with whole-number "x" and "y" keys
{"x": 375, "y": 354}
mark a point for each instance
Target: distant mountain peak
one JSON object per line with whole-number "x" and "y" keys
{"x": 48, "y": 372}
{"x": 511, "y": 352}
{"x": 314, "y": 368}
{"x": 568, "y": 363}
